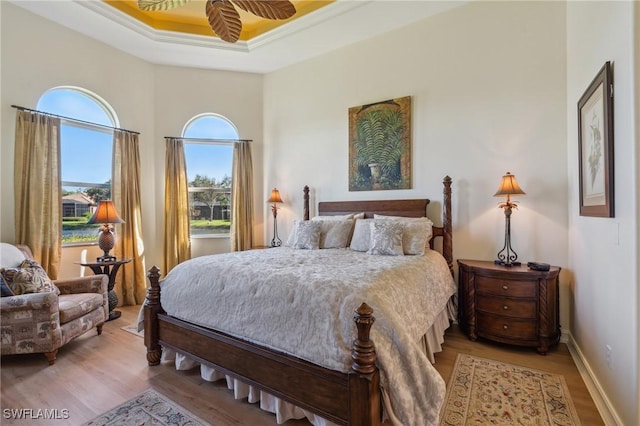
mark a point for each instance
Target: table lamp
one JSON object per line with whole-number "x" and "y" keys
{"x": 508, "y": 187}
{"x": 106, "y": 214}
{"x": 275, "y": 198}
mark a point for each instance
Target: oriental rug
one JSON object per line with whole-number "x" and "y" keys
{"x": 487, "y": 392}
{"x": 150, "y": 408}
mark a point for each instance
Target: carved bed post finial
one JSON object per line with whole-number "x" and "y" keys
{"x": 363, "y": 353}
{"x": 447, "y": 240}
{"x": 306, "y": 203}
{"x": 152, "y": 308}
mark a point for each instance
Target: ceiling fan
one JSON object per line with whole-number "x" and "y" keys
{"x": 223, "y": 15}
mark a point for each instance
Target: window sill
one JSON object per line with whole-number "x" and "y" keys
{"x": 209, "y": 236}
{"x": 80, "y": 244}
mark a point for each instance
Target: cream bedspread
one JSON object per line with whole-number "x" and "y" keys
{"x": 302, "y": 301}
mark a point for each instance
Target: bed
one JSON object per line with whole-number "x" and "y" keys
{"x": 343, "y": 386}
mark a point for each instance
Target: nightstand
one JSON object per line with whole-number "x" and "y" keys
{"x": 514, "y": 305}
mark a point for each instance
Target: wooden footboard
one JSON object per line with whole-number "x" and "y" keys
{"x": 351, "y": 398}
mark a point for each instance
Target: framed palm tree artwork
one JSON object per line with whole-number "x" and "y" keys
{"x": 380, "y": 145}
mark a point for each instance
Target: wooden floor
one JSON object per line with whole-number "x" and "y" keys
{"x": 96, "y": 373}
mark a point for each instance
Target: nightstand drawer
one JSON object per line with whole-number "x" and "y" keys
{"x": 511, "y": 288}
{"x": 520, "y": 308}
{"x": 507, "y": 327}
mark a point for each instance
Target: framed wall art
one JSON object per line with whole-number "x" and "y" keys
{"x": 380, "y": 145}
{"x": 595, "y": 146}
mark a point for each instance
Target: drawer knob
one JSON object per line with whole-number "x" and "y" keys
{"x": 505, "y": 326}
{"x": 505, "y": 287}
{"x": 505, "y": 307}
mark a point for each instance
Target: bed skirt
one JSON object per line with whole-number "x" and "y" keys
{"x": 431, "y": 342}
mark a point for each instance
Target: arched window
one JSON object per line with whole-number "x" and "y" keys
{"x": 208, "y": 150}
{"x": 86, "y": 156}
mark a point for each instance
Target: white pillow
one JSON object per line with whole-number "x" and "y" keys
{"x": 416, "y": 235}
{"x": 361, "y": 239}
{"x": 386, "y": 238}
{"x": 335, "y": 233}
{"x": 306, "y": 234}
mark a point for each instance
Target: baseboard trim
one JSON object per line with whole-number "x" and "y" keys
{"x": 602, "y": 402}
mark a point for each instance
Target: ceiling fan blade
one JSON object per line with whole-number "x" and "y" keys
{"x": 270, "y": 9}
{"x": 224, "y": 20}
{"x": 154, "y": 5}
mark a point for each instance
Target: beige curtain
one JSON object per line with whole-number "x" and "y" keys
{"x": 177, "y": 238}
{"x": 130, "y": 282}
{"x": 37, "y": 186}
{"x": 242, "y": 197}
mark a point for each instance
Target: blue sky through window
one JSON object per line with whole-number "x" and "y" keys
{"x": 207, "y": 159}
{"x": 86, "y": 152}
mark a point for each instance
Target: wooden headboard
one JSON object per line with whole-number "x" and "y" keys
{"x": 407, "y": 208}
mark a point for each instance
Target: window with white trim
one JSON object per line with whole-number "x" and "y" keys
{"x": 86, "y": 155}
{"x": 208, "y": 148}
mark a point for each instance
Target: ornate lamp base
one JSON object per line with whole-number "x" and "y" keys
{"x": 106, "y": 242}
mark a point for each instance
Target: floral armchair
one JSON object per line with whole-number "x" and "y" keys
{"x": 47, "y": 316}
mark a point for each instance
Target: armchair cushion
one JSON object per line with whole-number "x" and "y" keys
{"x": 72, "y": 306}
{"x": 28, "y": 277}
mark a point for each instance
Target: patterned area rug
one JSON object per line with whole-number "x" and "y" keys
{"x": 486, "y": 392}
{"x": 148, "y": 408}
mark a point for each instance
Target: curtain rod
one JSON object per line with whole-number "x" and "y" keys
{"x": 73, "y": 119}
{"x": 208, "y": 139}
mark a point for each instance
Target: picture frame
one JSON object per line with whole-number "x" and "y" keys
{"x": 595, "y": 146}
{"x": 380, "y": 145}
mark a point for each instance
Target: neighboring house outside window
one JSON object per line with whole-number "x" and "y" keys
{"x": 86, "y": 157}
{"x": 208, "y": 150}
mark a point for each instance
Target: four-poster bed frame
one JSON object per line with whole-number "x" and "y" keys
{"x": 352, "y": 398}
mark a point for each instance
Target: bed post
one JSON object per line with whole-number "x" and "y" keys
{"x": 306, "y": 203}
{"x": 364, "y": 377}
{"x": 152, "y": 308}
{"x": 447, "y": 239}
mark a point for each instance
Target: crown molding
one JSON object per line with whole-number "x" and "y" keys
{"x": 334, "y": 26}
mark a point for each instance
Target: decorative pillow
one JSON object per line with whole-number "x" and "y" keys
{"x": 386, "y": 238}
{"x": 6, "y": 291}
{"x": 29, "y": 277}
{"x": 307, "y": 234}
{"x": 416, "y": 235}
{"x": 361, "y": 239}
{"x": 335, "y": 233}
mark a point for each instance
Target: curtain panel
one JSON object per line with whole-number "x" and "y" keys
{"x": 242, "y": 197}
{"x": 130, "y": 282}
{"x": 177, "y": 237}
{"x": 38, "y": 188}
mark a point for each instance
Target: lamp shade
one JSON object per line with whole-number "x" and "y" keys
{"x": 275, "y": 197}
{"x": 105, "y": 213}
{"x": 508, "y": 186}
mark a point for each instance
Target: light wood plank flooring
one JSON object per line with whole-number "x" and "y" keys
{"x": 96, "y": 373}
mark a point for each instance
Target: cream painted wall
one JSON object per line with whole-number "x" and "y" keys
{"x": 603, "y": 252}
{"x": 154, "y": 100}
{"x": 488, "y": 88}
